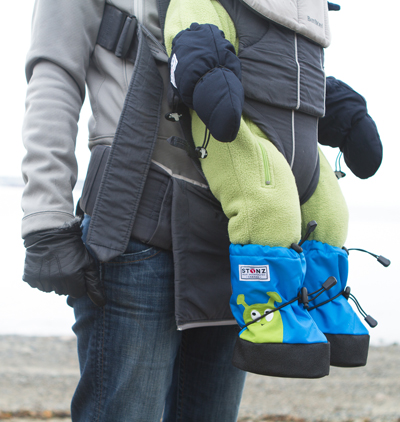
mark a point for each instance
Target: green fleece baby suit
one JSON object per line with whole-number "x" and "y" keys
{"x": 257, "y": 190}
{"x": 249, "y": 176}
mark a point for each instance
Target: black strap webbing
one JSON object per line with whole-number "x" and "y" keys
{"x": 129, "y": 160}
{"x": 117, "y": 31}
{"x": 162, "y": 12}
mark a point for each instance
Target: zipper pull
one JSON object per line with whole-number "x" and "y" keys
{"x": 173, "y": 101}
{"x": 173, "y": 116}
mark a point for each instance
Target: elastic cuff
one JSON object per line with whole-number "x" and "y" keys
{"x": 45, "y": 220}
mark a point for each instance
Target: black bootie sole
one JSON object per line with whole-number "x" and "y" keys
{"x": 283, "y": 359}
{"x": 348, "y": 351}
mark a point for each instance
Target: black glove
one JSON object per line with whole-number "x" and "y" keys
{"x": 57, "y": 260}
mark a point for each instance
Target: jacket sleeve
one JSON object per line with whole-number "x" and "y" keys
{"x": 64, "y": 34}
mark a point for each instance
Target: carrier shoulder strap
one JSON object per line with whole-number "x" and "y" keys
{"x": 162, "y": 12}
{"x": 122, "y": 183}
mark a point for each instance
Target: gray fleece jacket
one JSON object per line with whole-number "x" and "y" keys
{"x": 62, "y": 61}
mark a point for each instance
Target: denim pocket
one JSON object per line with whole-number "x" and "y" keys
{"x": 136, "y": 251}
{"x": 140, "y": 268}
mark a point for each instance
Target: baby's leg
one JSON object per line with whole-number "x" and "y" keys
{"x": 325, "y": 258}
{"x": 327, "y": 207}
{"x": 255, "y": 186}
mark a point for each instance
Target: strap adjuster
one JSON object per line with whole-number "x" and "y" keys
{"x": 126, "y": 37}
{"x": 117, "y": 31}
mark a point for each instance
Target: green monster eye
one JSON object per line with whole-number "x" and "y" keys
{"x": 254, "y": 314}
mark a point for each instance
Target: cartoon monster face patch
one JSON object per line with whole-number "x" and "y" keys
{"x": 268, "y": 329}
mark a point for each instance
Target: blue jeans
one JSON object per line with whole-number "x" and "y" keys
{"x": 135, "y": 365}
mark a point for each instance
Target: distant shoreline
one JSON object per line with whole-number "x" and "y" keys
{"x": 11, "y": 181}
{"x": 67, "y": 337}
{"x": 39, "y": 374}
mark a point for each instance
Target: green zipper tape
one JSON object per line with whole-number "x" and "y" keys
{"x": 267, "y": 174}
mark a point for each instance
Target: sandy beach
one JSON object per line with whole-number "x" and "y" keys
{"x": 38, "y": 376}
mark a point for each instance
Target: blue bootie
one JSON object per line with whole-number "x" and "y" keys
{"x": 278, "y": 336}
{"x": 347, "y": 335}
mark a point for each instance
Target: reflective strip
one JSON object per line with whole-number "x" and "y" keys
{"x": 298, "y": 71}
{"x": 206, "y": 324}
{"x": 293, "y": 141}
{"x": 179, "y": 176}
{"x": 321, "y": 59}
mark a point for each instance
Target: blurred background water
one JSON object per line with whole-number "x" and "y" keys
{"x": 24, "y": 310}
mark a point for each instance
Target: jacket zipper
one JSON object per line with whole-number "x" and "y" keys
{"x": 138, "y": 10}
{"x": 267, "y": 174}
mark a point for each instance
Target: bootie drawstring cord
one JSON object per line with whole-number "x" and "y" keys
{"x": 381, "y": 259}
{"x": 346, "y": 293}
{"x": 202, "y": 151}
{"x": 302, "y": 297}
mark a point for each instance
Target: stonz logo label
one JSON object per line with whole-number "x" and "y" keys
{"x": 254, "y": 273}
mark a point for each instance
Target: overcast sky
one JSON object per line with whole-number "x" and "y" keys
{"x": 363, "y": 53}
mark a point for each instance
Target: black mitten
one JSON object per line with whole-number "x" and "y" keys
{"x": 348, "y": 126}
{"x": 206, "y": 73}
{"x": 57, "y": 261}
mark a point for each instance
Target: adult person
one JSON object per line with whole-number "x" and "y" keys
{"x": 131, "y": 333}
{"x": 135, "y": 364}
